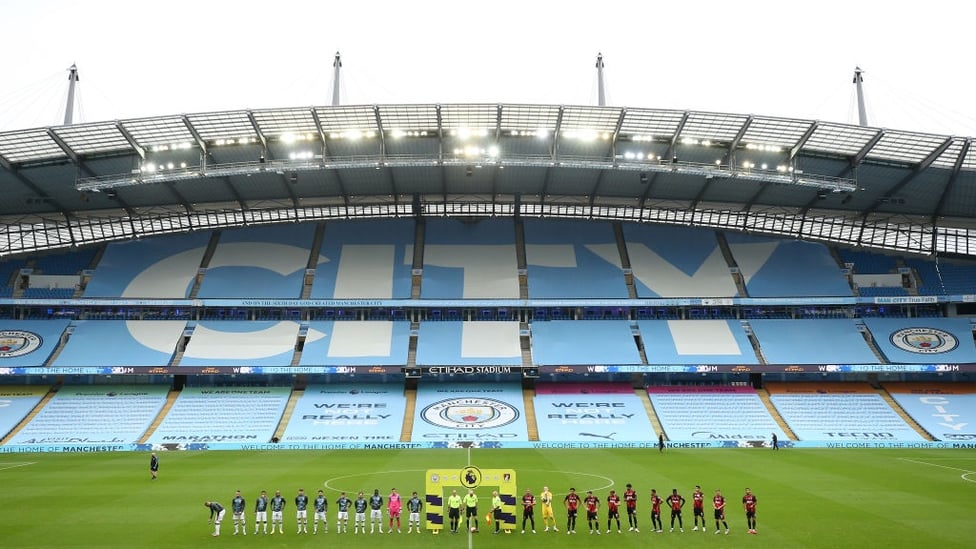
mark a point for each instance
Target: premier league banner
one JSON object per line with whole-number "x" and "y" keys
{"x": 347, "y": 413}
{"x": 469, "y": 415}
{"x": 592, "y": 412}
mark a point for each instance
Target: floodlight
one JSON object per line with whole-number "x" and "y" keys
{"x": 288, "y": 138}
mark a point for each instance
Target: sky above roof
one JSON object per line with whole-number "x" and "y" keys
{"x": 794, "y": 60}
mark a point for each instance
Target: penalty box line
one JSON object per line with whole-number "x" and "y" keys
{"x": 964, "y": 476}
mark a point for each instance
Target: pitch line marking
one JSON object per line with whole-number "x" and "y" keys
{"x": 964, "y": 476}
{"x": 4, "y": 466}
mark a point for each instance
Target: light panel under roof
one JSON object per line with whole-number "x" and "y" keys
{"x": 469, "y": 116}
{"x": 909, "y": 147}
{"x": 651, "y": 122}
{"x": 341, "y": 119}
{"x": 150, "y": 132}
{"x": 712, "y": 126}
{"x": 969, "y": 163}
{"x": 93, "y": 138}
{"x": 598, "y": 119}
{"x": 948, "y": 157}
{"x": 222, "y": 125}
{"x": 841, "y": 139}
{"x": 776, "y": 131}
{"x": 409, "y": 117}
{"x": 529, "y": 117}
{"x": 28, "y": 145}
{"x": 281, "y": 121}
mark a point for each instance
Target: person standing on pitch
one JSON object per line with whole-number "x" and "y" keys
{"x": 471, "y": 510}
{"x": 613, "y": 510}
{"x": 528, "y": 510}
{"x": 454, "y": 510}
{"x": 321, "y": 506}
{"x": 216, "y": 515}
{"x": 153, "y": 466}
{"x": 547, "y": 515}
{"x": 656, "y": 501}
{"x": 571, "y": 501}
{"x": 660, "y": 442}
{"x": 630, "y": 501}
{"x": 375, "y": 511}
{"x": 749, "y": 502}
{"x": 237, "y": 506}
{"x": 360, "y": 506}
{"x": 676, "y": 502}
{"x": 342, "y": 515}
{"x": 301, "y": 511}
{"x": 261, "y": 512}
{"x": 393, "y": 507}
{"x": 698, "y": 508}
{"x": 496, "y": 509}
{"x": 592, "y": 504}
{"x": 718, "y": 503}
{"x": 414, "y": 506}
{"x": 277, "y": 512}
{"x": 775, "y": 442}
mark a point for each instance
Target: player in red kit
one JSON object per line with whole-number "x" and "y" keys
{"x": 718, "y": 504}
{"x": 749, "y": 504}
{"x": 528, "y": 510}
{"x": 656, "y": 502}
{"x": 571, "y": 501}
{"x": 592, "y": 504}
{"x": 676, "y": 501}
{"x": 698, "y": 507}
{"x": 630, "y": 501}
{"x": 613, "y": 510}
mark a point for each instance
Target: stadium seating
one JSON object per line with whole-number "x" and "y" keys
{"x": 572, "y": 259}
{"x": 584, "y": 342}
{"x": 121, "y": 343}
{"x": 469, "y": 344}
{"x": 838, "y": 412}
{"x": 18, "y": 401}
{"x": 947, "y": 411}
{"x": 347, "y": 412}
{"x": 365, "y": 259}
{"x": 449, "y": 413}
{"x": 159, "y": 267}
{"x": 714, "y": 413}
{"x": 329, "y": 343}
{"x": 590, "y": 412}
{"x": 786, "y": 268}
{"x": 236, "y": 414}
{"x": 470, "y": 260}
{"x": 812, "y": 341}
{"x": 30, "y": 342}
{"x": 94, "y": 414}
{"x": 677, "y": 262}
{"x": 696, "y": 342}
{"x": 235, "y": 343}
{"x": 924, "y": 341}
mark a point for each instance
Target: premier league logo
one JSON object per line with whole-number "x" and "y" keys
{"x": 469, "y": 413}
{"x": 18, "y": 343}
{"x": 924, "y": 340}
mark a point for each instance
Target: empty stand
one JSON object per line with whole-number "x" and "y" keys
{"x": 158, "y": 267}
{"x": 451, "y": 412}
{"x": 584, "y": 342}
{"x": 333, "y": 343}
{"x": 213, "y": 415}
{"x": 365, "y": 259}
{"x": 924, "y": 340}
{"x": 572, "y": 259}
{"x": 812, "y": 341}
{"x": 590, "y": 412}
{"x": 18, "y": 401}
{"x": 677, "y": 262}
{"x": 696, "y": 342}
{"x": 786, "y": 268}
{"x": 468, "y": 260}
{"x": 713, "y": 413}
{"x": 93, "y": 414}
{"x": 947, "y": 411}
{"x": 235, "y": 343}
{"x": 29, "y": 342}
{"x": 121, "y": 343}
{"x": 347, "y": 412}
{"x": 468, "y": 343}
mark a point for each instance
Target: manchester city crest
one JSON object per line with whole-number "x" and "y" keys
{"x": 15, "y": 343}
{"x": 924, "y": 340}
{"x": 469, "y": 413}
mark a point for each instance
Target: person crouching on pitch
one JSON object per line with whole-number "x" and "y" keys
{"x": 216, "y": 515}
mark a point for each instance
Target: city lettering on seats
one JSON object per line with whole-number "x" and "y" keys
{"x": 941, "y": 412}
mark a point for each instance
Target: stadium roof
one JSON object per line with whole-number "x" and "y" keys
{"x": 88, "y": 183}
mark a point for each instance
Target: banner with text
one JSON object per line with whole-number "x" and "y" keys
{"x": 347, "y": 412}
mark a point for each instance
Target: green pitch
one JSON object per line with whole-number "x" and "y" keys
{"x": 807, "y": 498}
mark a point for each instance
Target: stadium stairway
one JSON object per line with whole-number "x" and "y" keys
{"x": 618, "y": 233}
{"x": 764, "y": 397}
{"x": 532, "y": 427}
{"x": 886, "y": 396}
{"x": 29, "y": 417}
{"x": 869, "y": 339}
{"x": 740, "y": 283}
{"x": 204, "y": 263}
{"x": 641, "y": 393}
{"x": 408, "y": 412}
{"x": 170, "y": 400}
{"x": 521, "y": 262}
{"x": 296, "y": 394}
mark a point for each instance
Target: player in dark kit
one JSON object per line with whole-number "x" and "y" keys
{"x": 342, "y": 515}
{"x": 375, "y": 511}
{"x": 528, "y": 510}
{"x": 237, "y": 508}
{"x": 321, "y": 506}
{"x": 749, "y": 504}
{"x": 301, "y": 511}
{"x": 698, "y": 507}
{"x": 277, "y": 512}
{"x": 613, "y": 510}
{"x": 154, "y": 466}
{"x": 592, "y": 504}
{"x": 718, "y": 503}
{"x": 656, "y": 502}
{"x": 216, "y": 515}
{"x": 261, "y": 512}
{"x": 571, "y": 501}
{"x": 414, "y": 506}
{"x": 360, "y": 506}
{"x": 676, "y": 502}
{"x": 630, "y": 501}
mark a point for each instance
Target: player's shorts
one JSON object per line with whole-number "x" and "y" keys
{"x": 613, "y": 514}
{"x": 631, "y": 510}
{"x": 239, "y": 516}
{"x": 750, "y": 514}
{"x": 302, "y": 514}
{"x": 276, "y": 516}
{"x": 497, "y": 514}
{"x": 471, "y": 512}
{"x": 220, "y": 516}
{"x": 530, "y": 512}
{"x": 547, "y": 511}
{"x": 675, "y": 512}
{"x": 415, "y": 517}
{"x": 720, "y": 514}
{"x": 342, "y": 515}
{"x": 571, "y": 513}
{"x": 360, "y": 517}
{"x": 591, "y": 515}
{"x": 321, "y": 516}
{"x": 454, "y": 512}
{"x": 260, "y": 516}
{"x": 655, "y": 514}
{"x": 699, "y": 512}
{"x": 394, "y": 514}
{"x": 376, "y": 514}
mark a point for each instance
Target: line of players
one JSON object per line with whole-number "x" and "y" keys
{"x": 675, "y": 502}
{"x": 320, "y": 506}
